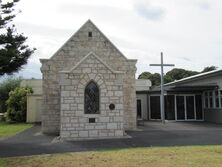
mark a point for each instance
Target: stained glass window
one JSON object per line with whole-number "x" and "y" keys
{"x": 91, "y": 98}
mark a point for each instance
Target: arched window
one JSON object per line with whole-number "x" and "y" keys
{"x": 91, "y": 98}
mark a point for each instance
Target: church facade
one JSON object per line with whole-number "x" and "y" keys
{"x": 88, "y": 88}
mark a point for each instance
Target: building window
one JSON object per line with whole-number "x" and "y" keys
{"x": 220, "y": 94}
{"x": 213, "y": 99}
{"x": 91, "y": 98}
{"x": 90, "y": 34}
{"x": 206, "y": 99}
{"x": 217, "y": 99}
{"x": 210, "y": 95}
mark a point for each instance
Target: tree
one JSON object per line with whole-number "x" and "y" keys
{"x": 5, "y": 87}
{"x": 172, "y": 75}
{"x": 14, "y": 53}
{"x": 209, "y": 68}
{"x": 17, "y": 104}
{"x": 154, "y": 78}
{"x": 179, "y": 73}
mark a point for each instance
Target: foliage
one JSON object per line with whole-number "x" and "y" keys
{"x": 5, "y": 87}
{"x": 154, "y": 78}
{"x": 172, "y": 75}
{"x": 209, "y": 68}
{"x": 10, "y": 129}
{"x": 179, "y": 73}
{"x": 14, "y": 53}
{"x": 17, "y": 104}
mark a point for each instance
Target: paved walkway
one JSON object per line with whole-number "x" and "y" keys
{"x": 32, "y": 142}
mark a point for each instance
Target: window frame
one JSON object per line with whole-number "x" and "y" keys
{"x": 220, "y": 97}
{"x": 95, "y": 113}
{"x": 214, "y": 97}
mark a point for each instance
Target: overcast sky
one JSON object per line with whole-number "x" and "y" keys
{"x": 187, "y": 31}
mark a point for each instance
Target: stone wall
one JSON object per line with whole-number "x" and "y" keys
{"x": 74, "y": 122}
{"x": 69, "y": 56}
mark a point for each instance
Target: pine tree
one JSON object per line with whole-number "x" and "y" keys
{"x": 14, "y": 53}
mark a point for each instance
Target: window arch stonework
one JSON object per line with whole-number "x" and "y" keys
{"x": 91, "y": 98}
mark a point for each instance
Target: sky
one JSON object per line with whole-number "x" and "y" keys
{"x": 188, "y": 32}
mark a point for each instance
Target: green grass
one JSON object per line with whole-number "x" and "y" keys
{"x": 188, "y": 156}
{"x": 3, "y": 164}
{"x": 11, "y": 129}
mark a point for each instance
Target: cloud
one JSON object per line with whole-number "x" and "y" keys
{"x": 187, "y": 31}
{"x": 204, "y": 5}
{"x": 149, "y": 12}
{"x": 31, "y": 70}
{"x": 186, "y": 58}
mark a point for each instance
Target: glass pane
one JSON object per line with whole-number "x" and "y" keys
{"x": 216, "y": 93}
{"x": 190, "y": 107}
{"x": 155, "y": 107}
{"x": 139, "y": 109}
{"x": 211, "y": 102}
{"x": 210, "y": 93}
{"x": 91, "y": 99}
{"x": 180, "y": 108}
{"x": 169, "y": 107}
{"x": 221, "y": 102}
{"x": 199, "y": 112}
{"x": 217, "y": 102}
{"x": 206, "y": 102}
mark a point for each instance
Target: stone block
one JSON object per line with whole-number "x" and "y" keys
{"x": 80, "y": 107}
{"x": 93, "y": 133}
{"x": 65, "y": 93}
{"x": 118, "y": 93}
{"x": 104, "y": 119}
{"x": 118, "y": 119}
{"x": 83, "y": 133}
{"x": 119, "y": 106}
{"x": 65, "y": 107}
{"x": 104, "y": 99}
{"x": 64, "y": 134}
{"x": 119, "y": 132}
{"x": 111, "y": 125}
{"x": 65, "y": 81}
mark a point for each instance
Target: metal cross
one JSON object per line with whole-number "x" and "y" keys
{"x": 162, "y": 86}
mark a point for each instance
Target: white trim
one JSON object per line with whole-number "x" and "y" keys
{"x": 175, "y": 106}
{"x": 213, "y": 98}
{"x": 203, "y": 104}
{"x": 220, "y": 97}
{"x": 185, "y": 106}
{"x": 195, "y": 108}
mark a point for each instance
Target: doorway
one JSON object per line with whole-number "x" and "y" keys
{"x": 139, "y": 108}
{"x": 178, "y": 107}
{"x": 185, "y": 107}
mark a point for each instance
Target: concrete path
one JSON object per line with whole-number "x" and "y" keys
{"x": 32, "y": 142}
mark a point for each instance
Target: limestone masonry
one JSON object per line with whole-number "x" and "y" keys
{"x": 88, "y": 56}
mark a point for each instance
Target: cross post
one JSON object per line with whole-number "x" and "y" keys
{"x": 162, "y": 86}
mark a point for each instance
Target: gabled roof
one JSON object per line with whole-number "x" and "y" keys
{"x": 195, "y": 77}
{"x": 98, "y": 58}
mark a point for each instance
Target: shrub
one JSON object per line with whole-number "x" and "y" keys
{"x": 5, "y": 87}
{"x": 17, "y": 104}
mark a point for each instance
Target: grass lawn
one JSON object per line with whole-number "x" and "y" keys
{"x": 190, "y": 156}
{"x": 11, "y": 129}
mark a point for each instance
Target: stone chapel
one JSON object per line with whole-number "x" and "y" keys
{"x": 88, "y": 88}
